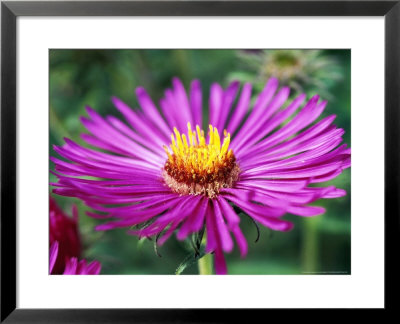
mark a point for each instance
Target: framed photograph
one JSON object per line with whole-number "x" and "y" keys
{"x": 183, "y": 161}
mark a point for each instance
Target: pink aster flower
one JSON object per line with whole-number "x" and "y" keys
{"x": 159, "y": 172}
{"x": 72, "y": 266}
{"x": 64, "y": 230}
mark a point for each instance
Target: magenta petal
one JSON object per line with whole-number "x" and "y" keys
{"x": 137, "y": 122}
{"x": 94, "y": 268}
{"x": 233, "y": 224}
{"x": 166, "y": 108}
{"x": 195, "y": 221}
{"x": 185, "y": 209}
{"x": 259, "y": 110}
{"x": 196, "y": 102}
{"x": 306, "y": 211}
{"x": 126, "y": 130}
{"x": 71, "y": 266}
{"x": 336, "y": 193}
{"x": 181, "y": 101}
{"x": 231, "y": 217}
{"x": 224, "y": 236}
{"x": 228, "y": 98}
{"x": 244, "y": 198}
{"x": 263, "y": 215}
{"x": 168, "y": 233}
{"x": 256, "y": 131}
{"x": 212, "y": 243}
{"x": 305, "y": 117}
{"x": 151, "y": 110}
{"x": 274, "y": 185}
{"x": 53, "y": 255}
{"x": 171, "y": 108}
{"x": 215, "y": 103}
{"x": 241, "y": 109}
{"x": 81, "y": 268}
{"x": 220, "y": 264}
{"x": 240, "y": 240}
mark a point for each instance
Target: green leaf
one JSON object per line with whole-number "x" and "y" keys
{"x": 190, "y": 260}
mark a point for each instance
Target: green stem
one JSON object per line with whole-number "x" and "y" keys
{"x": 310, "y": 251}
{"x": 205, "y": 265}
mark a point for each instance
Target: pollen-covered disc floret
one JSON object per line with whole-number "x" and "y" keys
{"x": 195, "y": 167}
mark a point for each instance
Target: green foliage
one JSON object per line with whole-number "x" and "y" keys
{"x": 189, "y": 260}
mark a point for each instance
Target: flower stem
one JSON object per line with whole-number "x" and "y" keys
{"x": 310, "y": 251}
{"x": 205, "y": 265}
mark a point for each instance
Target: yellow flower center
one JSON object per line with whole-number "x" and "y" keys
{"x": 195, "y": 167}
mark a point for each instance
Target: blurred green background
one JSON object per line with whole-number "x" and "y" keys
{"x": 90, "y": 77}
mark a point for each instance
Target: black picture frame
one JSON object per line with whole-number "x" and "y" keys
{"x": 10, "y": 10}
